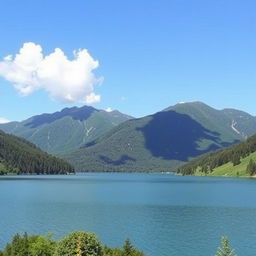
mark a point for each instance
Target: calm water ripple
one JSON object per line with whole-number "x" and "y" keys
{"x": 164, "y": 215}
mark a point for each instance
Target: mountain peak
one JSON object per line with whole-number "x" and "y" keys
{"x": 76, "y": 113}
{"x": 67, "y": 129}
{"x": 185, "y": 104}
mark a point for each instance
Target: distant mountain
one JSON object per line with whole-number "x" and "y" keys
{"x": 231, "y": 161}
{"x": 20, "y": 156}
{"x": 165, "y": 140}
{"x": 66, "y": 130}
{"x": 231, "y": 124}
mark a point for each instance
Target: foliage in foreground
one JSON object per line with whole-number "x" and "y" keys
{"x": 74, "y": 244}
{"x": 80, "y": 243}
{"x": 225, "y": 250}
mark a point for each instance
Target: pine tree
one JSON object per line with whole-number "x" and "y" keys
{"x": 225, "y": 250}
{"x": 128, "y": 248}
{"x": 235, "y": 159}
{"x": 249, "y": 168}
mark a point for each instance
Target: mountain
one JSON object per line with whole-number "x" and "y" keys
{"x": 165, "y": 140}
{"x": 66, "y": 130}
{"x": 236, "y": 160}
{"x": 222, "y": 121}
{"x": 20, "y": 156}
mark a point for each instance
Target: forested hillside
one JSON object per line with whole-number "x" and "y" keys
{"x": 232, "y": 161}
{"x": 22, "y": 157}
{"x": 164, "y": 141}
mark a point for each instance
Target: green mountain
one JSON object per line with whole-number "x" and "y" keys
{"x": 20, "y": 156}
{"x": 66, "y": 130}
{"x": 236, "y": 160}
{"x": 231, "y": 124}
{"x": 165, "y": 140}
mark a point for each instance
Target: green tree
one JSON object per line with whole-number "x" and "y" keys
{"x": 75, "y": 244}
{"x": 108, "y": 251}
{"x": 80, "y": 244}
{"x": 225, "y": 250}
{"x": 42, "y": 246}
{"x": 129, "y": 250}
{"x": 251, "y": 167}
{"x": 235, "y": 159}
{"x": 18, "y": 246}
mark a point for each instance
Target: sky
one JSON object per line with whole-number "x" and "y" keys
{"x": 135, "y": 56}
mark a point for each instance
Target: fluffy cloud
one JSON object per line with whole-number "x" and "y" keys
{"x": 65, "y": 80}
{"x": 4, "y": 120}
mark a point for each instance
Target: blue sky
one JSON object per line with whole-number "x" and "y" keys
{"x": 152, "y": 54}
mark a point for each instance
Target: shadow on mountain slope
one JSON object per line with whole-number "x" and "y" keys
{"x": 174, "y": 136}
{"x": 122, "y": 160}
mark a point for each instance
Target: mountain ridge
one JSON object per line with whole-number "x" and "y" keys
{"x": 162, "y": 141}
{"x": 65, "y": 130}
{"x": 97, "y": 140}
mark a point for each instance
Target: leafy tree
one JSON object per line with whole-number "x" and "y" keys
{"x": 18, "y": 247}
{"x": 79, "y": 243}
{"x": 225, "y": 250}
{"x": 30, "y": 246}
{"x": 42, "y": 246}
{"x": 75, "y": 244}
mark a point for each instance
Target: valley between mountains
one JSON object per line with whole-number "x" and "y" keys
{"x": 94, "y": 140}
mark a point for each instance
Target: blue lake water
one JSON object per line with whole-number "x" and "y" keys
{"x": 163, "y": 215}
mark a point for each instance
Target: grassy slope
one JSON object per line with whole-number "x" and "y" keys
{"x": 228, "y": 170}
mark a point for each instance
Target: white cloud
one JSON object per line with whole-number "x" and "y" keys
{"x": 65, "y": 80}
{"x": 92, "y": 98}
{"x": 109, "y": 109}
{"x": 4, "y": 120}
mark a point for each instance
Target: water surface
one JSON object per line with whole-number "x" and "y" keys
{"x": 164, "y": 215}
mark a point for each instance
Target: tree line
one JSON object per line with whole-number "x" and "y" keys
{"x": 80, "y": 243}
{"x": 74, "y": 244}
{"x": 234, "y": 154}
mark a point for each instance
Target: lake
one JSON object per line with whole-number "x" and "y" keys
{"x": 164, "y": 215}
